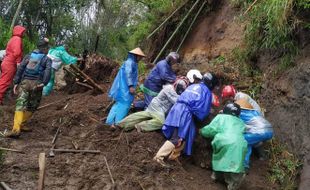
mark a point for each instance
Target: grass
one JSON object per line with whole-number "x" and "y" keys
{"x": 284, "y": 166}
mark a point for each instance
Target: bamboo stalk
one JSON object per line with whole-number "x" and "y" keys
{"x": 77, "y": 151}
{"x": 175, "y": 32}
{"x": 250, "y": 7}
{"x": 5, "y": 186}
{"x": 16, "y": 14}
{"x": 175, "y": 11}
{"x": 191, "y": 25}
{"x": 12, "y": 150}
{"x": 106, "y": 162}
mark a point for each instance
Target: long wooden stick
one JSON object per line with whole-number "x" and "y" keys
{"x": 12, "y": 150}
{"x": 87, "y": 78}
{"x": 55, "y": 136}
{"x": 5, "y": 186}
{"x": 250, "y": 7}
{"x": 106, "y": 163}
{"x": 190, "y": 27}
{"x": 175, "y": 11}
{"x": 85, "y": 85}
{"x": 175, "y": 32}
{"x": 41, "y": 171}
{"x": 52, "y": 103}
{"x": 77, "y": 151}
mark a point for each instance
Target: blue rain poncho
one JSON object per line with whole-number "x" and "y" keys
{"x": 229, "y": 145}
{"x": 195, "y": 101}
{"x": 160, "y": 75}
{"x": 126, "y": 77}
{"x": 258, "y": 129}
{"x": 59, "y": 56}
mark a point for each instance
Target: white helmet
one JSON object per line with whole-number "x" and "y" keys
{"x": 192, "y": 74}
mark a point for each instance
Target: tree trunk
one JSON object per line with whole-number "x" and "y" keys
{"x": 16, "y": 14}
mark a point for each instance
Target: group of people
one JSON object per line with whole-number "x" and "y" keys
{"x": 32, "y": 75}
{"x": 171, "y": 103}
{"x": 174, "y": 103}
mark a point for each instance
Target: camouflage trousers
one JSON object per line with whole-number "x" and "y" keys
{"x": 29, "y": 97}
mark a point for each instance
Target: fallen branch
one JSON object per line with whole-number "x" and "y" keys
{"x": 5, "y": 186}
{"x": 41, "y": 171}
{"x": 12, "y": 150}
{"x": 77, "y": 151}
{"x": 106, "y": 162}
{"x": 87, "y": 78}
{"x": 109, "y": 106}
{"x": 52, "y": 103}
{"x": 84, "y": 85}
{"x": 250, "y": 7}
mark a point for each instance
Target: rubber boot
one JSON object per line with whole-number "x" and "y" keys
{"x": 27, "y": 116}
{"x": 18, "y": 120}
{"x": 163, "y": 152}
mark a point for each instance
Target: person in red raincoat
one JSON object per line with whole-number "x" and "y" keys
{"x": 14, "y": 53}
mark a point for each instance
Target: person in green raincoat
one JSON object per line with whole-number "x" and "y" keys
{"x": 59, "y": 56}
{"x": 229, "y": 146}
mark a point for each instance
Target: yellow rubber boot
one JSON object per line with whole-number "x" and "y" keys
{"x": 18, "y": 120}
{"x": 27, "y": 116}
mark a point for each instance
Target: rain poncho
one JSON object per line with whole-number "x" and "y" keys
{"x": 254, "y": 104}
{"x": 126, "y": 77}
{"x": 229, "y": 145}
{"x": 195, "y": 101}
{"x": 258, "y": 129}
{"x": 59, "y": 56}
{"x": 13, "y": 56}
{"x": 160, "y": 75}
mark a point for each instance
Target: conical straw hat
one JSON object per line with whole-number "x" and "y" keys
{"x": 137, "y": 51}
{"x": 244, "y": 104}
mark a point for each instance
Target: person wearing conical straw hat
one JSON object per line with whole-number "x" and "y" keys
{"x": 123, "y": 87}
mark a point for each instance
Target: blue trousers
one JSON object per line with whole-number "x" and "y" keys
{"x": 254, "y": 139}
{"x": 118, "y": 112}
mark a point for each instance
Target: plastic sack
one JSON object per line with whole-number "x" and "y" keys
{"x": 258, "y": 125}
{"x": 2, "y": 54}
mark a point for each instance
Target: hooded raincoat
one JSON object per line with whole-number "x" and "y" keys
{"x": 160, "y": 75}
{"x": 258, "y": 129}
{"x": 13, "y": 56}
{"x": 126, "y": 77}
{"x": 195, "y": 101}
{"x": 229, "y": 145}
{"x": 59, "y": 56}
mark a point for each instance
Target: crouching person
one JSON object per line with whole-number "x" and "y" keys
{"x": 229, "y": 146}
{"x": 154, "y": 116}
{"x": 179, "y": 127}
{"x": 258, "y": 129}
{"x": 33, "y": 73}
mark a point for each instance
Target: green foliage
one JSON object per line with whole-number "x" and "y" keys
{"x": 283, "y": 166}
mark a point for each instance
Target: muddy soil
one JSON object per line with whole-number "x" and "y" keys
{"x": 129, "y": 155}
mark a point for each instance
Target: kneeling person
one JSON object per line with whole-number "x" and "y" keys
{"x": 33, "y": 73}
{"x": 154, "y": 116}
{"x": 229, "y": 145}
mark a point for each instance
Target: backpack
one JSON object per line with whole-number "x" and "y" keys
{"x": 34, "y": 65}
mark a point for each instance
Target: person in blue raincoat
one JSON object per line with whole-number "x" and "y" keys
{"x": 258, "y": 129}
{"x": 59, "y": 56}
{"x": 179, "y": 127}
{"x": 160, "y": 75}
{"x": 123, "y": 87}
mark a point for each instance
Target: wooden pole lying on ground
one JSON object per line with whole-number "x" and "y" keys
{"x": 41, "y": 171}
{"x": 85, "y": 85}
{"x": 190, "y": 27}
{"x": 175, "y": 11}
{"x": 5, "y": 186}
{"x": 87, "y": 78}
{"x": 106, "y": 163}
{"x": 175, "y": 32}
{"x": 12, "y": 150}
{"x": 77, "y": 151}
{"x": 52, "y": 103}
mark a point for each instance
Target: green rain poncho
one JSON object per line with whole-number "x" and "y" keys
{"x": 229, "y": 145}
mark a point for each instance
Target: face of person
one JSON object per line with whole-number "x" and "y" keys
{"x": 45, "y": 50}
{"x": 139, "y": 58}
{"x": 173, "y": 61}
